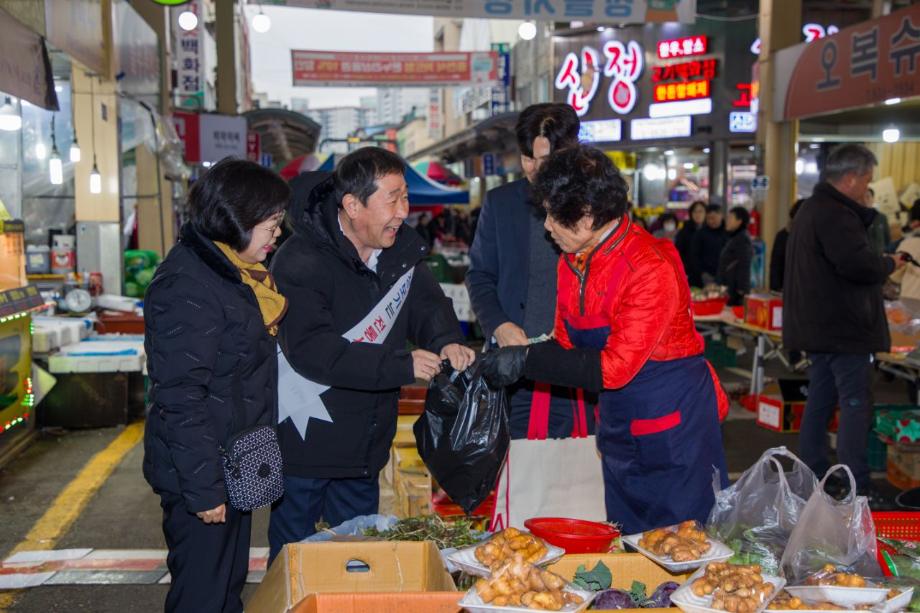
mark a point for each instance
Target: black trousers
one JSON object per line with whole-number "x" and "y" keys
{"x": 844, "y": 379}
{"x": 208, "y": 563}
{"x": 306, "y": 501}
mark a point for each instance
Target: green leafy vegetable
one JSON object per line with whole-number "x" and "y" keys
{"x": 597, "y": 579}
{"x": 638, "y": 592}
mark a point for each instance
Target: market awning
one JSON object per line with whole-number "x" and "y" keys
{"x": 863, "y": 64}
{"x": 422, "y": 190}
{"x": 283, "y": 134}
{"x": 438, "y": 172}
{"x": 492, "y": 135}
{"x": 25, "y": 68}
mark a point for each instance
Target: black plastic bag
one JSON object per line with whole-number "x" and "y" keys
{"x": 463, "y": 434}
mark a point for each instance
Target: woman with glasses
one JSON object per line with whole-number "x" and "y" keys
{"x": 211, "y": 316}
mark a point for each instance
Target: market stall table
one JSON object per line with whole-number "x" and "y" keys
{"x": 768, "y": 345}
{"x": 903, "y": 366}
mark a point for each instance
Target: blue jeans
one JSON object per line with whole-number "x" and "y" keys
{"x": 844, "y": 379}
{"x": 306, "y": 501}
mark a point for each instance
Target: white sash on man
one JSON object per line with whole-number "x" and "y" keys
{"x": 298, "y": 397}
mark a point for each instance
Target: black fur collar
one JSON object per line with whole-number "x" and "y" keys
{"x": 209, "y": 253}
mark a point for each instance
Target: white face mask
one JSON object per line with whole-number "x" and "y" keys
{"x": 670, "y": 226}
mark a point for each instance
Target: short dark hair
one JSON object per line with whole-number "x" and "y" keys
{"x": 694, "y": 205}
{"x": 233, "y": 197}
{"x": 848, "y": 159}
{"x": 742, "y": 214}
{"x": 581, "y": 181}
{"x": 357, "y": 172}
{"x": 556, "y": 121}
{"x": 714, "y": 208}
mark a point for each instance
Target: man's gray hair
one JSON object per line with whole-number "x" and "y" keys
{"x": 847, "y": 159}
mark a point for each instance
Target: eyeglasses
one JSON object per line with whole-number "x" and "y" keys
{"x": 273, "y": 226}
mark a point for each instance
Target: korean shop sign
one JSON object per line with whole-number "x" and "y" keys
{"x": 345, "y": 68}
{"x": 863, "y": 64}
{"x": 581, "y": 75}
{"x": 597, "y": 11}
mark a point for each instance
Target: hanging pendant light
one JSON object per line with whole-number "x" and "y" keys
{"x": 95, "y": 178}
{"x": 261, "y": 22}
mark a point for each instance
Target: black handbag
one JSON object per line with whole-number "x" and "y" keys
{"x": 252, "y": 461}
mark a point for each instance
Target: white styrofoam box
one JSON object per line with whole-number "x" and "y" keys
{"x": 53, "y": 332}
{"x": 99, "y": 355}
{"x": 116, "y": 303}
{"x": 458, "y": 293}
{"x": 45, "y": 339}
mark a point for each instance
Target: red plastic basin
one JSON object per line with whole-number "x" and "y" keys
{"x": 573, "y": 535}
{"x": 712, "y": 306}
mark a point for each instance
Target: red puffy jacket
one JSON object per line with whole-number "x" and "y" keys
{"x": 635, "y": 284}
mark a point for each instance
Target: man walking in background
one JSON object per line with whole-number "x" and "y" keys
{"x": 833, "y": 310}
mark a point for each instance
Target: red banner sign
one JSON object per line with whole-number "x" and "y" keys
{"x": 341, "y": 68}
{"x": 683, "y": 47}
{"x": 685, "y": 71}
{"x": 862, "y": 64}
{"x": 681, "y": 91}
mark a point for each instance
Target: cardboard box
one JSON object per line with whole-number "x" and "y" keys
{"x": 394, "y": 572}
{"x": 764, "y": 311}
{"x": 781, "y": 407}
{"x": 625, "y": 568}
{"x": 432, "y": 602}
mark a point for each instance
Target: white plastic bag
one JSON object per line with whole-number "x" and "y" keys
{"x": 830, "y": 531}
{"x": 756, "y": 515}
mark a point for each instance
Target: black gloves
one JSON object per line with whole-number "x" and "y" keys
{"x": 503, "y": 367}
{"x": 545, "y": 362}
{"x": 549, "y": 363}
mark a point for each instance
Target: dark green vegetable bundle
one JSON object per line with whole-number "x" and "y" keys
{"x": 456, "y": 533}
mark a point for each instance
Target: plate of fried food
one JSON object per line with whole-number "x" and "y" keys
{"x": 520, "y": 586}
{"x": 735, "y": 588}
{"x": 500, "y": 548}
{"x": 679, "y": 548}
{"x": 847, "y": 590}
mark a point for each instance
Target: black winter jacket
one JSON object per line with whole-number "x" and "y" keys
{"x": 684, "y": 243}
{"x": 706, "y": 248}
{"x": 212, "y": 368}
{"x": 832, "y": 298}
{"x": 778, "y": 260}
{"x": 330, "y": 290}
{"x": 735, "y": 266}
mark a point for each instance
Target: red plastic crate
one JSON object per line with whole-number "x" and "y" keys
{"x": 900, "y": 525}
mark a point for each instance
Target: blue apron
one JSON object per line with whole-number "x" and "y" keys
{"x": 659, "y": 439}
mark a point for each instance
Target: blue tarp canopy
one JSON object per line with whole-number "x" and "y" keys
{"x": 422, "y": 190}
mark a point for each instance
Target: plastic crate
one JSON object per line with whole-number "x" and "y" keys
{"x": 899, "y": 525}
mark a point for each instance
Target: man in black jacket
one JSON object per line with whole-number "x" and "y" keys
{"x": 512, "y": 276}
{"x": 358, "y": 292}
{"x": 833, "y": 310}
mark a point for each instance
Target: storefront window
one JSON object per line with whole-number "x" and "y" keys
{"x": 10, "y": 140}
{"x": 46, "y": 206}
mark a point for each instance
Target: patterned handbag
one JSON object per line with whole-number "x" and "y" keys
{"x": 252, "y": 463}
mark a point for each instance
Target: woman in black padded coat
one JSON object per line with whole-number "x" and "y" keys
{"x": 211, "y": 316}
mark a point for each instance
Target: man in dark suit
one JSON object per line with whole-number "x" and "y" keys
{"x": 512, "y": 276}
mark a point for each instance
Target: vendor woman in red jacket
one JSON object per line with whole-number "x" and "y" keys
{"x": 624, "y": 328}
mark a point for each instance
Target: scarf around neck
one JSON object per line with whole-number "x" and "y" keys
{"x": 272, "y": 304}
